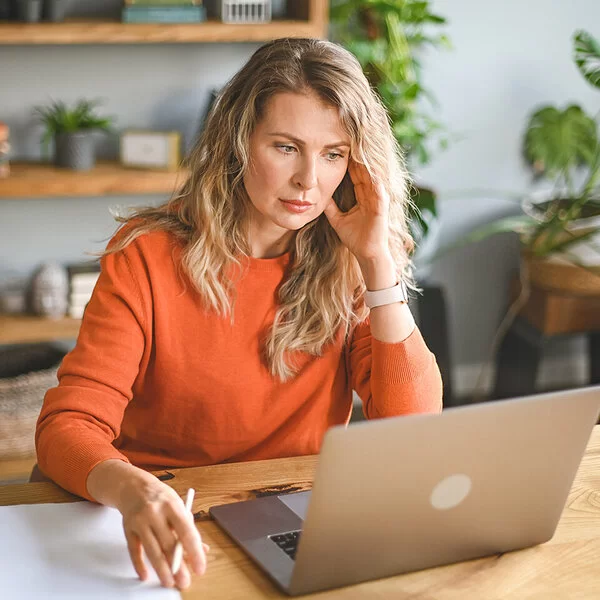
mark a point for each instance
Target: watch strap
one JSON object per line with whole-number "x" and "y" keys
{"x": 396, "y": 293}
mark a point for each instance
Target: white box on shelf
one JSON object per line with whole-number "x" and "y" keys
{"x": 151, "y": 149}
{"x": 245, "y": 11}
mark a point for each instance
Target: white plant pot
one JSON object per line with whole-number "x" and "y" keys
{"x": 587, "y": 252}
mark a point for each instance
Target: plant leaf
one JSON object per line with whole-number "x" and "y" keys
{"x": 424, "y": 199}
{"x": 521, "y": 224}
{"x": 557, "y": 141}
{"x": 388, "y": 37}
{"x": 587, "y": 56}
{"x": 571, "y": 239}
{"x": 59, "y": 118}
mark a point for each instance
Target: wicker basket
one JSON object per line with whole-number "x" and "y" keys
{"x": 26, "y": 372}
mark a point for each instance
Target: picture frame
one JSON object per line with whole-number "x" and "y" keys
{"x": 149, "y": 149}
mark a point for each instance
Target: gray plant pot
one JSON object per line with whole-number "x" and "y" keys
{"x": 29, "y": 11}
{"x": 75, "y": 151}
{"x": 54, "y": 10}
{"x": 279, "y": 9}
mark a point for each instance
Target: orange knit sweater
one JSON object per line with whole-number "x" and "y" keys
{"x": 157, "y": 380}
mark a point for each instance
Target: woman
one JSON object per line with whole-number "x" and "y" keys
{"x": 230, "y": 324}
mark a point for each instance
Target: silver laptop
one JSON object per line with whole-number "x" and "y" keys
{"x": 407, "y": 493}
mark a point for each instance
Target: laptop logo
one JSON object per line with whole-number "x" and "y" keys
{"x": 450, "y": 491}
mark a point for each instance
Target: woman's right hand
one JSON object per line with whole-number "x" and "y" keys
{"x": 154, "y": 520}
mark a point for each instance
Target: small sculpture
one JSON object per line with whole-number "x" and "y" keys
{"x": 49, "y": 291}
{"x": 4, "y": 148}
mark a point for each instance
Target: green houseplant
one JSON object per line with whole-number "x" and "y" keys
{"x": 72, "y": 129}
{"x": 560, "y": 233}
{"x": 387, "y": 37}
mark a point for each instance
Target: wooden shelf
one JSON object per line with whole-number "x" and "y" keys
{"x": 115, "y": 32}
{"x": 16, "y": 470}
{"x": 34, "y": 180}
{"x": 22, "y": 329}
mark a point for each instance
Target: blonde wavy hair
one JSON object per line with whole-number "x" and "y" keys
{"x": 323, "y": 289}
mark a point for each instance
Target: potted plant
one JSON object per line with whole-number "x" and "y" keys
{"x": 54, "y": 10}
{"x": 72, "y": 131}
{"x": 387, "y": 38}
{"x": 29, "y": 11}
{"x": 560, "y": 230}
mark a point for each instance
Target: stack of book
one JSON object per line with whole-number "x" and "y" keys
{"x": 163, "y": 11}
{"x": 82, "y": 280}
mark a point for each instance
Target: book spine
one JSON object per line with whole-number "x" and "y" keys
{"x": 77, "y": 298}
{"x": 76, "y": 312}
{"x": 84, "y": 267}
{"x": 90, "y": 276}
{"x": 163, "y": 2}
{"x": 163, "y": 14}
{"x": 83, "y": 282}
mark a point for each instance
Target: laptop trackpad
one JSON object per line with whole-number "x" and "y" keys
{"x": 297, "y": 502}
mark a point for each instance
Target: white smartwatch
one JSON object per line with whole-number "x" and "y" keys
{"x": 397, "y": 293}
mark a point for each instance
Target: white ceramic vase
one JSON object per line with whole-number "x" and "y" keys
{"x": 49, "y": 291}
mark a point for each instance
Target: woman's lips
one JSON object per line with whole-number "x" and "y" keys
{"x": 296, "y": 206}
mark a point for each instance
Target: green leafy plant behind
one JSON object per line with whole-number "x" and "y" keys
{"x": 587, "y": 57}
{"x": 387, "y": 37}
{"x": 59, "y": 118}
{"x": 558, "y": 141}
{"x": 563, "y": 147}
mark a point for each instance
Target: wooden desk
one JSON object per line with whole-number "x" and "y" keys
{"x": 565, "y": 567}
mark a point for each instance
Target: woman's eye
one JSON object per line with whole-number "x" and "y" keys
{"x": 286, "y": 149}
{"x": 334, "y": 156}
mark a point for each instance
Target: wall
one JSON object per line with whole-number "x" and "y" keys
{"x": 507, "y": 58}
{"x": 162, "y": 87}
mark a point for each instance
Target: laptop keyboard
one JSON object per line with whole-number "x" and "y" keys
{"x": 288, "y": 542}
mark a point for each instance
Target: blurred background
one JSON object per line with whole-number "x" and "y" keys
{"x": 495, "y": 105}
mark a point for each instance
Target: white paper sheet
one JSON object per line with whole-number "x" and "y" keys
{"x": 71, "y": 550}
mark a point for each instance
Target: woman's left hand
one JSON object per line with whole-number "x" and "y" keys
{"x": 364, "y": 228}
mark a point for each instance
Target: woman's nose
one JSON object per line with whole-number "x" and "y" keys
{"x": 306, "y": 176}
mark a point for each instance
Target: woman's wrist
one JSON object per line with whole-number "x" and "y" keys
{"x": 107, "y": 480}
{"x": 379, "y": 272}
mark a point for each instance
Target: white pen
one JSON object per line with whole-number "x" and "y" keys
{"x": 178, "y": 554}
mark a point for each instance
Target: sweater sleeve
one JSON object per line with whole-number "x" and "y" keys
{"x": 394, "y": 379}
{"x": 81, "y": 417}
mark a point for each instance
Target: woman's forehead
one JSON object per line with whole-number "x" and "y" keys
{"x": 304, "y": 116}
